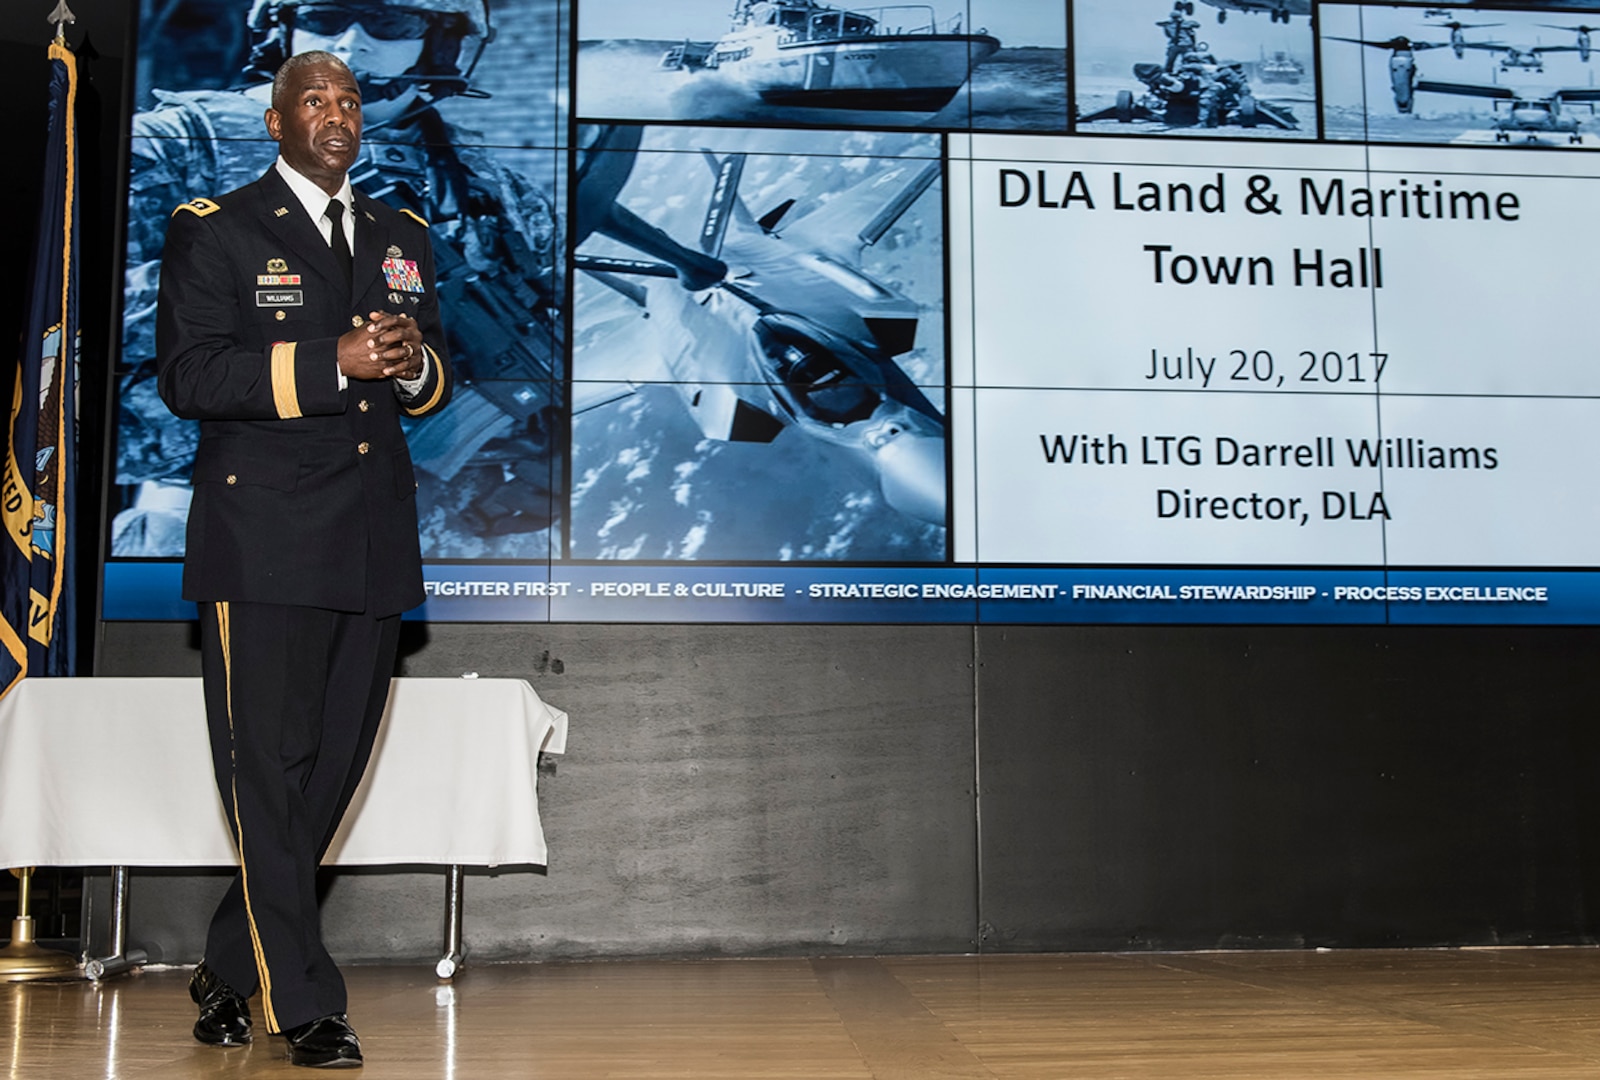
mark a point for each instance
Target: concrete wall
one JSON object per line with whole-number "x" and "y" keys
{"x": 726, "y": 790}
{"x": 759, "y": 790}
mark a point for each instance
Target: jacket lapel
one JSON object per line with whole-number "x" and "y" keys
{"x": 372, "y": 241}
{"x": 287, "y": 219}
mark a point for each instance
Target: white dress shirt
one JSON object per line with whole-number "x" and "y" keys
{"x": 315, "y": 200}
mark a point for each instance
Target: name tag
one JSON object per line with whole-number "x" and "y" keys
{"x": 279, "y": 297}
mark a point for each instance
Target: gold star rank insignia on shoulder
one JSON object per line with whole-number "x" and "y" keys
{"x": 198, "y": 207}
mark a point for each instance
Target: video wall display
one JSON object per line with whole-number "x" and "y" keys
{"x": 1002, "y": 311}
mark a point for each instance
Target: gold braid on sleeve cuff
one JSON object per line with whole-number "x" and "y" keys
{"x": 438, "y": 386}
{"x": 284, "y": 393}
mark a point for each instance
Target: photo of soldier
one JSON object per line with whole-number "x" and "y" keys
{"x": 1241, "y": 77}
{"x": 463, "y": 133}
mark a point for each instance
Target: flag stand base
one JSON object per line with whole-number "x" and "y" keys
{"x": 22, "y": 959}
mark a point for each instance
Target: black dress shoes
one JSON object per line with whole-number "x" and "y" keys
{"x": 224, "y": 1015}
{"x": 328, "y": 1042}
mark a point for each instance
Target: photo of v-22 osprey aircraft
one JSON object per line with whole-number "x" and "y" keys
{"x": 1530, "y": 114}
{"x": 1522, "y": 57}
{"x": 1280, "y": 10}
{"x": 770, "y": 323}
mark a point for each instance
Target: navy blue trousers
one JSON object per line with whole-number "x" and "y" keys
{"x": 294, "y": 696}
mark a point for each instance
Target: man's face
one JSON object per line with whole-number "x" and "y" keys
{"x": 379, "y": 43}
{"x": 318, "y": 129}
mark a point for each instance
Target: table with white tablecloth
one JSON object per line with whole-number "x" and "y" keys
{"x": 117, "y": 772}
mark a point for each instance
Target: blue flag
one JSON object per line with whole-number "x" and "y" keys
{"x": 36, "y": 497}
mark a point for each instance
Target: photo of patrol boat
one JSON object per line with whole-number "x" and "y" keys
{"x": 895, "y": 63}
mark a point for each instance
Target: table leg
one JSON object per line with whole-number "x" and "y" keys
{"x": 451, "y": 962}
{"x": 122, "y": 958}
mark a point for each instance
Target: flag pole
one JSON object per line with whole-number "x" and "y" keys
{"x": 61, "y": 16}
{"x": 38, "y": 460}
{"x": 24, "y": 958}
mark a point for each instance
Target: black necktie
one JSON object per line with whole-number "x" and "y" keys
{"x": 341, "y": 247}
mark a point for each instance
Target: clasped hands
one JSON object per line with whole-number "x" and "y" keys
{"x": 386, "y": 346}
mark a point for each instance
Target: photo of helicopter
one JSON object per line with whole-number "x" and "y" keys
{"x": 1430, "y": 91}
{"x": 1279, "y": 10}
{"x": 800, "y": 336}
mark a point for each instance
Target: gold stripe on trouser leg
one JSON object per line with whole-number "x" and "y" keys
{"x": 224, "y": 631}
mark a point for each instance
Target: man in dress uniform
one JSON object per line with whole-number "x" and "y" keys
{"x": 495, "y": 232}
{"x": 296, "y": 321}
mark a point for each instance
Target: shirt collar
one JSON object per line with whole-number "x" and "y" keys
{"x": 313, "y": 198}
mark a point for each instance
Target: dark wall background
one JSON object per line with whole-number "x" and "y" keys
{"x": 760, "y": 790}
{"x": 1257, "y": 787}
{"x": 810, "y": 789}
{"x": 726, "y": 790}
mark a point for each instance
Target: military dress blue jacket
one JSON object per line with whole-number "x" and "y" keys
{"x": 304, "y": 492}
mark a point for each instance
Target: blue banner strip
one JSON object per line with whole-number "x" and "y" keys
{"x": 766, "y": 594}
{"x": 1064, "y": 595}
{"x": 1496, "y": 597}
{"x": 690, "y": 593}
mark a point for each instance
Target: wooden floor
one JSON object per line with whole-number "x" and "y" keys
{"x": 1500, "y": 1013}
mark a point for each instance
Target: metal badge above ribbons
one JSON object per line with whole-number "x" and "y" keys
{"x": 277, "y": 274}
